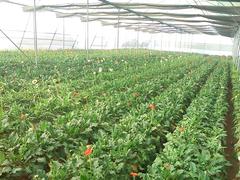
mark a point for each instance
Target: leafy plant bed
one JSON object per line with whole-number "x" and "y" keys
{"x": 104, "y": 118}
{"x": 236, "y": 118}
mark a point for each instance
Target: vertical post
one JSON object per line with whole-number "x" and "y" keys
{"x": 219, "y": 46}
{"x": 102, "y": 42}
{"x": 237, "y": 50}
{"x": 161, "y": 40}
{"x": 191, "y": 44}
{"x": 52, "y": 40}
{"x": 180, "y": 42}
{"x": 85, "y": 35}
{"x": 63, "y": 43}
{"x": 184, "y": 42}
{"x": 24, "y": 32}
{"x": 93, "y": 41}
{"x": 74, "y": 43}
{"x": 87, "y": 41}
{"x": 169, "y": 43}
{"x": 188, "y": 40}
{"x": 204, "y": 45}
{"x": 22, "y": 38}
{"x": 175, "y": 44}
{"x": 35, "y": 32}
{"x": 118, "y": 30}
{"x": 138, "y": 37}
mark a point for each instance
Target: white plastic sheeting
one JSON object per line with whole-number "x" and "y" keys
{"x": 14, "y": 21}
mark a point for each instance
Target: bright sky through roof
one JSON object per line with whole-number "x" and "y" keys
{"x": 14, "y": 21}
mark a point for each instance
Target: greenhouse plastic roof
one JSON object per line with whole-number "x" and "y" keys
{"x": 211, "y": 17}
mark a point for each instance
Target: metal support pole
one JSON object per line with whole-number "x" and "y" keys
{"x": 24, "y": 32}
{"x": 237, "y": 52}
{"x": 118, "y": 30}
{"x": 63, "y": 43}
{"x": 175, "y": 45}
{"x": 94, "y": 38}
{"x": 238, "y": 48}
{"x": 204, "y": 45}
{"x": 169, "y": 44}
{"x": 181, "y": 42}
{"x": 102, "y": 42}
{"x": 154, "y": 44}
{"x": 191, "y": 44}
{"x": 75, "y": 42}
{"x": 85, "y": 36}
{"x": 184, "y": 43}
{"x": 87, "y": 42}
{"x": 52, "y": 40}
{"x": 188, "y": 43}
{"x": 35, "y": 32}
{"x": 161, "y": 41}
{"x": 13, "y": 43}
{"x": 138, "y": 37}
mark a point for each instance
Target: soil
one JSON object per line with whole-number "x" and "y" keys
{"x": 230, "y": 154}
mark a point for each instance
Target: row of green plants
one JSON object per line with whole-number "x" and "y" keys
{"x": 194, "y": 150}
{"x": 45, "y": 119}
{"x": 110, "y": 117}
{"x": 132, "y": 144}
{"x": 126, "y": 99}
{"x": 62, "y": 69}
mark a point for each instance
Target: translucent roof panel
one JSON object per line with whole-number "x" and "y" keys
{"x": 197, "y": 17}
{"x": 185, "y": 16}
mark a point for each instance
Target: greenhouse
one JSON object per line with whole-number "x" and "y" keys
{"x": 119, "y": 89}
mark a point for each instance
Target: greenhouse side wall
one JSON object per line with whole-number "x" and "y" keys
{"x": 236, "y": 46}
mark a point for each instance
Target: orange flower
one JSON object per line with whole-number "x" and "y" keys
{"x": 152, "y": 106}
{"x": 75, "y": 94}
{"x": 88, "y": 151}
{"x": 136, "y": 94}
{"x": 133, "y": 174}
{"x": 181, "y": 129}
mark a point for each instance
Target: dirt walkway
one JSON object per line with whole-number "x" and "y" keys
{"x": 230, "y": 139}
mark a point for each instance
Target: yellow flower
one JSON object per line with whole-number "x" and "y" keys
{"x": 23, "y": 116}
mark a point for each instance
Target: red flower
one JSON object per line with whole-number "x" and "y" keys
{"x": 152, "y": 106}
{"x": 88, "y": 151}
{"x": 133, "y": 174}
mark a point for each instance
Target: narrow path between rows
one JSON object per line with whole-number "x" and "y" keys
{"x": 230, "y": 139}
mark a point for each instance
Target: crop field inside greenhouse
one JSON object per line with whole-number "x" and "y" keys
{"x": 139, "y": 114}
{"x": 119, "y": 90}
